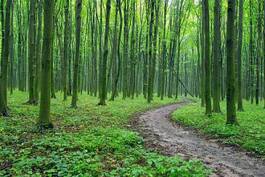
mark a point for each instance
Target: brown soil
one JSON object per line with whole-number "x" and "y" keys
{"x": 169, "y": 138}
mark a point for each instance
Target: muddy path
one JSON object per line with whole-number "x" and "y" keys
{"x": 169, "y": 138}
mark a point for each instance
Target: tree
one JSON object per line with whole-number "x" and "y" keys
{"x": 164, "y": 53}
{"x": 77, "y": 52}
{"x": 264, "y": 46}
{"x": 38, "y": 51}
{"x": 32, "y": 53}
{"x": 66, "y": 47}
{"x": 217, "y": 58}
{"x": 151, "y": 60}
{"x": 103, "y": 69}
{"x": 251, "y": 60}
{"x": 230, "y": 95}
{"x": 239, "y": 56}
{"x": 258, "y": 53}
{"x": 44, "y": 121}
{"x": 125, "y": 49}
{"x": 207, "y": 63}
{"x": 116, "y": 50}
{"x": 5, "y": 56}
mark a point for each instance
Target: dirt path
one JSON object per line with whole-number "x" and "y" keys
{"x": 170, "y": 138}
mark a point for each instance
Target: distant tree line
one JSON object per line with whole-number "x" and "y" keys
{"x": 213, "y": 50}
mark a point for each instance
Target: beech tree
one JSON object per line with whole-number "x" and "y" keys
{"x": 217, "y": 58}
{"x": 239, "y": 56}
{"x": 231, "y": 107}
{"x": 207, "y": 62}
{"x": 77, "y": 52}
{"x": 5, "y": 19}
{"x": 44, "y": 121}
{"x": 103, "y": 93}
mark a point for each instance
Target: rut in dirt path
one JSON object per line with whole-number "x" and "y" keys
{"x": 169, "y": 138}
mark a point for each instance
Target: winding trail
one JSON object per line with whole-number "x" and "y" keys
{"x": 170, "y": 138}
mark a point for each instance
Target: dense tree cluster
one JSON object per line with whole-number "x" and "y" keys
{"x": 108, "y": 48}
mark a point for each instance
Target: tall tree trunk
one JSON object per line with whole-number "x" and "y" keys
{"x": 44, "y": 120}
{"x": 125, "y": 49}
{"x": 217, "y": 58}
{"x": 264, "y": 52}
{"x": 19, "y": 48}
{"x": 117, "y": 74}
{"x": 231, "y": 107}
{"x": 103, "y": 93}
{"x": 259, "y": 53}
{"x": 207, "y": 62}
{"x": 77, "y": 52}
{"x": 150, "y": 53}
{"x": 132, "y": 52}
{"x": 38, "y": 52}
{"x": 251, "y": 72}
{"x": 11, "y": 43}
{"x": 66, "y": 48}
{"x": 5, "y": 55}
{"x": 164, "y": 52}
{"x": 239, "y": 56}
{"x": 202, "y": 58}
{"x": 32, "y": 53}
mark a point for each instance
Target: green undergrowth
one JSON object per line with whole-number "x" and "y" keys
{"x": 88, "y": 141}
{"x": 249, "y": 135}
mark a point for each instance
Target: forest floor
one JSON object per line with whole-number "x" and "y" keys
{"x": 162, "y": 134}
{"x": 88, "y": 141}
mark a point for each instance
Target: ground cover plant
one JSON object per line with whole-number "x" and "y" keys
{"x": 249, "y": 134}
{"x": 88, "y": 141}
{"x": 129, "y": 56}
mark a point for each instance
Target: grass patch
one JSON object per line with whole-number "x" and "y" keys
{"x": 250, "y": 134}
{"x": 88, "y": 141}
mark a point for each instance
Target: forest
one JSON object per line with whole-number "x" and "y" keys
{"x": 132, "y": 88}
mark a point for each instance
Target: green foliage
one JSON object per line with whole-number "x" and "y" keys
{"x": 250, "y": 134}
{"x": 89, "y": 141}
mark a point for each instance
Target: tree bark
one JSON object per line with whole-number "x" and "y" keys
{"x": 5, "y": 56}
{"x": 44, "y": 121}
{"x": 239, "y": 56}
{"x": 217, "y": 58}
{"x": 66, "y": 48}
{"x": 231, "y": 107}
{"x": 103, "y": 93}
{"x": 207, "y": 62}
{"x": 77, "y": 53}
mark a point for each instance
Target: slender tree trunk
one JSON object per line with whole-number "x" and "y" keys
{"x": 125, "y": 49}
{"x": 217, "y": 58}
{"x": 164, "y": 53}
{"x": 202, "y": 58}
{"x": 251, "y": 72}
{"x": 118, "y": 55}
{"x": 77, "y": 52}
{"x": 38, "y": 52}
{"x": 263, "y": 51}
{"x": 239, "y": 56}
{"x": 132, "y": 52}
{"x": 150, "y": 53}
{"x": 11, "y": 43}
{"x": 103, "y": 93}
{"x": 32, "y": 53}
{"x": 231, "y": 107}
{"x": 258, "y": 51}
{"x": 44, "y": 120}
{"x": 66, "y": 49}
{"x": 4, "y": 62}
{"x": 207, "y": 63}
